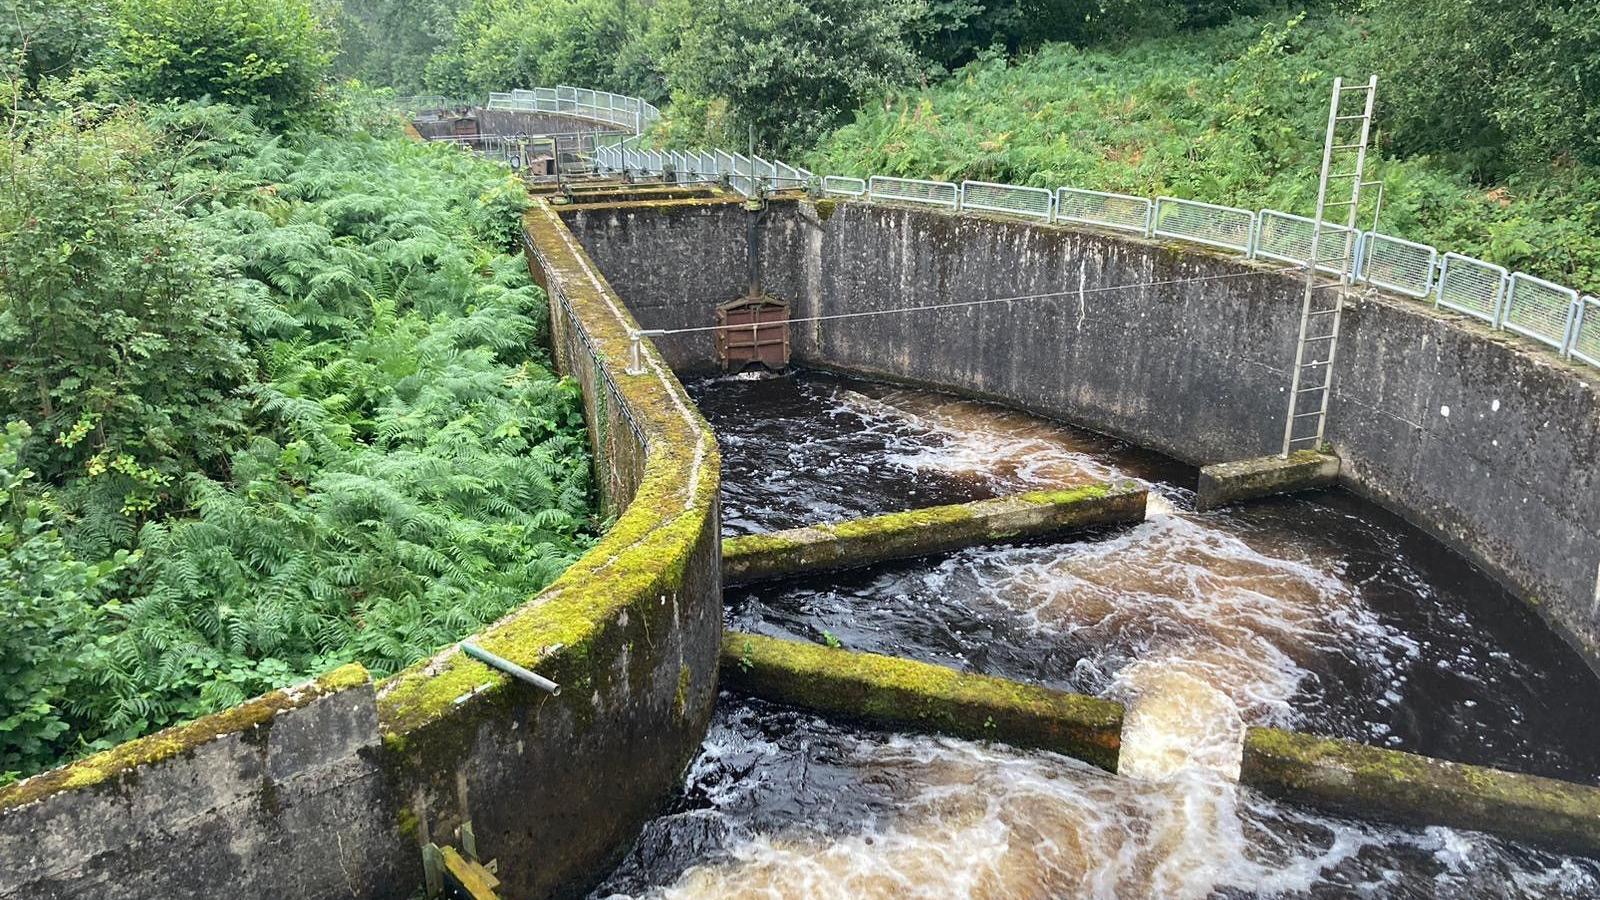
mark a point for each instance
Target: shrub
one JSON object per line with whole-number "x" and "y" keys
{"x": 271, "y": 55}
{"x": 118, "y": 339}
{"x": 1497, "y": 84}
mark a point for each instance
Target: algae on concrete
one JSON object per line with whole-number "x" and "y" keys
{"x": 937, "y": 529}
{"x": 1353, "y": 778}
{"x": 885, "y": 690}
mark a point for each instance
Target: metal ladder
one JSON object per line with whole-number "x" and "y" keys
{"x": 1321, "y": 313}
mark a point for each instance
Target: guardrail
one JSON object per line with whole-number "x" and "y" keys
{"x": 1544, "y": 311}
{"x": 617, "y": 109}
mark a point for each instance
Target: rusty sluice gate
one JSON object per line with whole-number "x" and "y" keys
{"x": 765, "y": 341}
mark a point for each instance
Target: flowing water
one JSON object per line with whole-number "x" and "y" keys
{"x": 1318, "y": 613}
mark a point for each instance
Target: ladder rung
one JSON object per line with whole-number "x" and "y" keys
{"x": 1349, "y": 146}
{"x": 1321, "y": 387}
{"x": 1323, "y": 312}
{"x": 1313, "y": 365}
{"x": 1309, "y": 414}
{"x": 1319, "y": 337}
{"x": 1349, "y": 175}
{"x": 1349, "y": 118}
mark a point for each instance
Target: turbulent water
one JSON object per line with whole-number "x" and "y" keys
{"x": 783, "y": 804}
{"x": 1317, "y": 613}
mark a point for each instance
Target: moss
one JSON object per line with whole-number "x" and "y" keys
{"x": 241, "y": 720}
{"x": 825, "y": 209}
{"x": 756, "y": 544}
{"x": 1390, "y": 784}
{"x": 643, "y": 557}
{"x": 899, "y": 692}
{"x": 407, "y": 821}
{"x": 680, "y": 701}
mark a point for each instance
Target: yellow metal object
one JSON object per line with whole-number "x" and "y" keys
{"x": 467, "y": 878}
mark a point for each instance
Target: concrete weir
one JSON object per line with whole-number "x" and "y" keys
{"x": 1248, "y": 479}
{"x": 922, "y": 532}
{"x": 887, "y": 690}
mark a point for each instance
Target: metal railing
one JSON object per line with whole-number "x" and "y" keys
{"x": 1471, "y": 286}
{"x": 1405, "y": 267}
{"x": 1120, "y": 211}
{"x": 1547, "y": 312}
{"x": 1287, "y": 238}
{"x": 912, "y": 190}
{"x": 1034, "y": 203}
{"x": 1584, "y": 344}
{"x": 844, "y": 185}
{"x": 1204, "y": 223}
{"x": 1539, "y": 309}
{"x": 604, "y": 106}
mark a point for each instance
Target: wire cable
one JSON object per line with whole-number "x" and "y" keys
{"x": 657, "y": 332}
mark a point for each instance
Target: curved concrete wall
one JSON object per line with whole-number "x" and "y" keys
{"x": 1489, "y": 442}
{"x": 328, "y": 791}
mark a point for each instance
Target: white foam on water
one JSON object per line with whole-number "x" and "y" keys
{"x": 987, "y": 821}
{"x": 1181, "y": 596}
{"x": 1010, "y": 450}
{"x": 1176, "y": 721}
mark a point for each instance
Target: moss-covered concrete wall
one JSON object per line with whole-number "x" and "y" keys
{"x": 556, "y": 786}
{"x": 1367, "y": 781}
{"x": 920, "y": 532}
{"x": 903, "y": 693}
{"x": 327, "y": 791}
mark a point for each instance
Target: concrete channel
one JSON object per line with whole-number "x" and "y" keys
{"x": 1485, "y": 444}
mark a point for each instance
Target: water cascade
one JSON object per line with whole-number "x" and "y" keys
{"x": 1318, "y": 613}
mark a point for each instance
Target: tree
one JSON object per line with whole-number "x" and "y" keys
{"x": 46, "y": 38}
{"x": 271, "y": 55}
{"x": 503, "y": 44}
{"x": 1499, "y": 85}
{"x": 792, "y": 69}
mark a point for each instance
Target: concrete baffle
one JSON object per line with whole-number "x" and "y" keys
{"x": 1249, "y": 479}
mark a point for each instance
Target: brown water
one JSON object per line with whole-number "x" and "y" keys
{"x": 1318, "y": 613}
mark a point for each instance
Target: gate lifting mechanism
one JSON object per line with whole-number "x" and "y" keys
{"x": 1344, "y": 159}
{"x": 764, "y": 341}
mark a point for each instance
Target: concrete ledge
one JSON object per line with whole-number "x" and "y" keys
{"x": 938, "y": 529}
{"x": 1248, "y": 479}
{"x": 208, "y": 808}
{"x": 1359, "y": 780}
{"x": 923, "y": 697}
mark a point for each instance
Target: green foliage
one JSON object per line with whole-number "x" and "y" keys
{"x": 389, "y": 42}
{"x": 1234, "y": 115}
{"x": 119, "y": 342}
{"x": 399, "y": 465}
{"x": 271, "y": 55}
{"x": 791, "y": 69}
{"x": 49, "y": 620}
{"x": 1498, "y": 84}
{"x": 48, "y": 38}
{"x": 499, "y": 44}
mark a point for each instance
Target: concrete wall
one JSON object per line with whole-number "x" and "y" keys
{"x": 223, "y": 806}
{"x": 674, "y": 261}
{"x": 329, "y": 791}
{"x": 1187, "y": 352}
